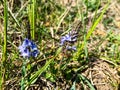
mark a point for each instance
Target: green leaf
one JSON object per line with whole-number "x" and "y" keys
{"x": 34, "y": 77}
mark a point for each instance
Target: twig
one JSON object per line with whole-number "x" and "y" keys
{"x": 21, "y": 9}
{"x": 12, "y": 15}
{"x": 63, "y": 16}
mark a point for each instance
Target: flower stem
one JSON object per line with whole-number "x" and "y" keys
{"x": 23, "y": 75}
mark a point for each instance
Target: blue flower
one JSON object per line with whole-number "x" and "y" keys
{"x": 34, "y": 53}
{"x": 25, "y": 53}
{"x": 26, "y": 42}
{"x": 28, "y": 48}
{"x": 68, "y": 38}
{"x": 33, "y": 46}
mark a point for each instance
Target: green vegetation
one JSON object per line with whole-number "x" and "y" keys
{"x": 78, "y": 41}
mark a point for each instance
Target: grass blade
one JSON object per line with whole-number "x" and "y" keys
{"x": 5, "y": 31}
{"x": 80, "y": 47}
{"x": 39, "y": 72}
{"x": 86, "y": 81}
{"x": 31, "y": 13}
{"x": 34, "y": 77}
{"x": 5, "y": 45}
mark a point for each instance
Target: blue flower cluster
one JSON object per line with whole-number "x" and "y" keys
{"x": 28, "y": 49}
{"x": 68, "y": 38}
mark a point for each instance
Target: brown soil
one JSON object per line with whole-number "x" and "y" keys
{"x": 103, "y": 75}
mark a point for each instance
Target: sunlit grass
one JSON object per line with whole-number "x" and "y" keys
{"x": 32, "y": 16}
{"x": 4, "y": 56}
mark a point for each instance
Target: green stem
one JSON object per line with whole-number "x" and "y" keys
{"x": 23, "y": 75}
{"x": 31, "y": 12}
{"x": 5, "y": 31}
{"x": 4, "y": 57}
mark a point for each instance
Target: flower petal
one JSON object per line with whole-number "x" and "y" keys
{"x": 34, "y": 53}
{"x": 26, "y": 53}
